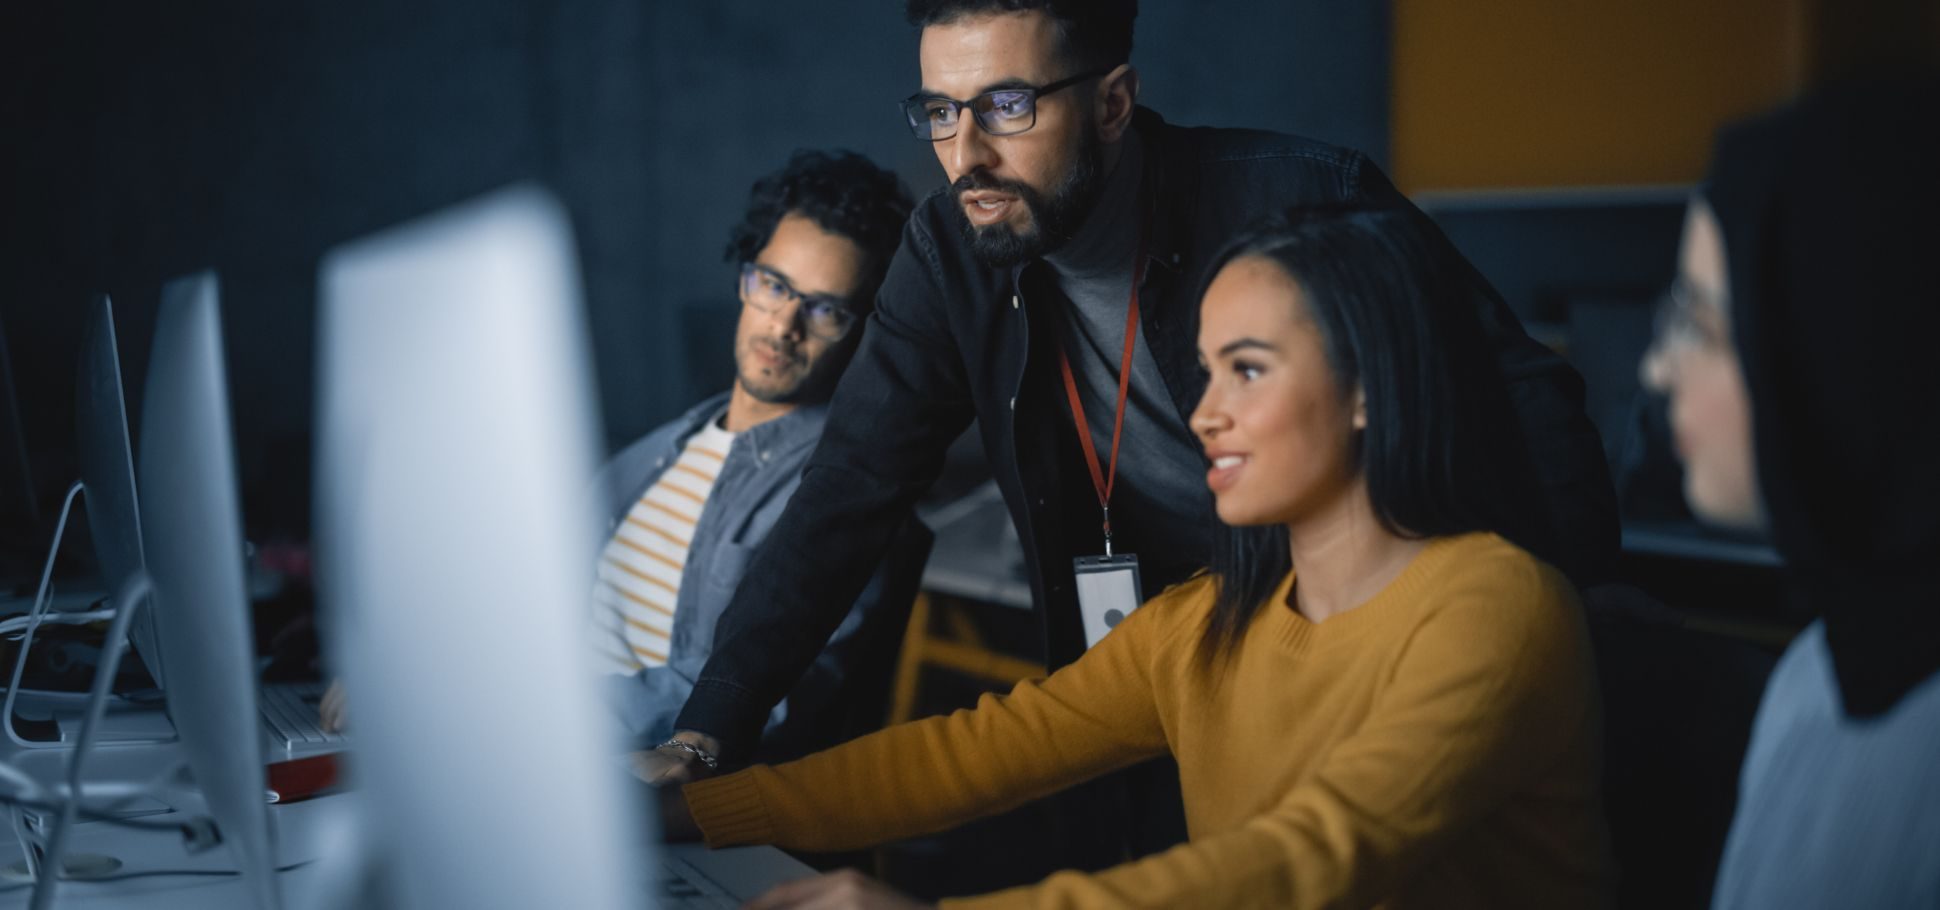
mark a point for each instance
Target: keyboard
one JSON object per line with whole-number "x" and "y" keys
{"x": 290, "y": 715}
{"x": 682, "y": 887}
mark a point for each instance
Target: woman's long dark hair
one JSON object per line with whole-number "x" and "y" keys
{"x": 1398, "y": 315}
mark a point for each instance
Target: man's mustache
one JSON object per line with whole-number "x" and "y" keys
{"x": 983, "y": 180}
{"x": 779, "y": 349}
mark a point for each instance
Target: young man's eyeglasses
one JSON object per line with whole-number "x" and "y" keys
{"x": 825, "y": 317}
{"x": 1001, "y": 112}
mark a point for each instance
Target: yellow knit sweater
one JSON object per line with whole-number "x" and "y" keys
{"x": 1436, "y": 746}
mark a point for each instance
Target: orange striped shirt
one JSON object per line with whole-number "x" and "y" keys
{"x": 641, "y": 567}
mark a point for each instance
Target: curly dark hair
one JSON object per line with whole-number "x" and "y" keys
{"x": 1097, "y": 34}
{"x": 843, "y": 193}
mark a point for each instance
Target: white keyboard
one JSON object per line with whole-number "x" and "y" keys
{"x": 290, "y": 715}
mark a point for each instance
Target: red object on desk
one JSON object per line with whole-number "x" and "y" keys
{"x": 302, "y": 778}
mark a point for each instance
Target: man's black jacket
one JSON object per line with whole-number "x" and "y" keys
{"x": 952, "y": 339}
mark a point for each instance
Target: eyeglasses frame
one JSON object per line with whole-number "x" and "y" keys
{"x": 802, "y": 300}
{"x": 958, "y": 106}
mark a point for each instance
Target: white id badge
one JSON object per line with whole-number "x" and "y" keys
{"x": 1108, "y": 592}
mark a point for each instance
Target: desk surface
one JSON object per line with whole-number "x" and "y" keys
{"x": 157, "y": 872}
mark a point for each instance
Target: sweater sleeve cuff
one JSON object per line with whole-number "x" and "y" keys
{"x": 727, "y": 713}
{"x": 729, "y": 810}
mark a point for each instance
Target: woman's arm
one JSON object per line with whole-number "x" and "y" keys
{"x": 1483, "y": 700}
{"x": 1093, "y": 716}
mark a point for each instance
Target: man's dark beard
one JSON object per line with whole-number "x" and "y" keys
{"x": 814, "y": 388}
{"x": 1054, "y": 219}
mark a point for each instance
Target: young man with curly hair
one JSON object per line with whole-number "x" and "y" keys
{"x": 692, "y": 499}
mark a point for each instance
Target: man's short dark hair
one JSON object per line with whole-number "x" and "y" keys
{"x": 1096, "y": 33}
{"x": 843, "y": 193}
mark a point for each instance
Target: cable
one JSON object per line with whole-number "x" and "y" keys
{"x": 199, "y": 830}
{"x": 133, "y": 594}
{"x": 18, "y": 623}
{"x": 33, "y": 617}
{"x": 20, "y": 779}
{"x": 26, "y": 841}
{"x": 119, "y": 794}
{"x": 162, "y": 873}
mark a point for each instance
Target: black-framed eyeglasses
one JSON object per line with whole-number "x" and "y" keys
{"x": 827, "y": 317}
{"x": 1001, "y": 112}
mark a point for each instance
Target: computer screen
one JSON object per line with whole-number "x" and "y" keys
{"x": 192, "y": 535}
{"x": 108, "y": 469}
{"x": 454, "y": 552}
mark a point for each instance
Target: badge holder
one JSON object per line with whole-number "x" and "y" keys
{"x": 1108, "y": 591}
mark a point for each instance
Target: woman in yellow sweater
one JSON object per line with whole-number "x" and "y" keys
{"x": 1374, "y": 698}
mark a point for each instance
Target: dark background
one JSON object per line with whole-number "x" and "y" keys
{"x": 145, "y": 141}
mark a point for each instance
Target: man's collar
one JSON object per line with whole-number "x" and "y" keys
{"x": 1164, "y": 247}
{"x": 1163, "y": 243}
{"x": 778, "y": 436}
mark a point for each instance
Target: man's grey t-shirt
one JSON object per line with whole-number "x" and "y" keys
{"x": 1160, "y": 503}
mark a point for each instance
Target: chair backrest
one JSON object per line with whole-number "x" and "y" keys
{"x": 1678, "y": 709}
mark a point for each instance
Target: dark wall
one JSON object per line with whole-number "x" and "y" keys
{"x": 149, "y": 140}
{"x": 250, "y": 138}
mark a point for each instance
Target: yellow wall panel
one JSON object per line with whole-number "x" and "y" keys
{"x": 1535, "y": 93}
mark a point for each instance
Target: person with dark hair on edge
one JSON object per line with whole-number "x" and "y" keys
{"x": 1374, "y": 696}
{"x": 1796, "y": 348}
{"x": 688, "y": 501}
{"x": 1046, "y": 293}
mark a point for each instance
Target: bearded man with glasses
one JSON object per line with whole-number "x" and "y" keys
{"x": 1051, "y": 295}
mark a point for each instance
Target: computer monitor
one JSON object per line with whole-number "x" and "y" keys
{"x": 454, "y": 547}
{"x": 107, "y": 492}
{"x": 107, "y": 463}
{"x": 192, "y": 535}
{"x": 108, "y": 469}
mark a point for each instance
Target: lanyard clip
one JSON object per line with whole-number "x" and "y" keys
{"x": 1107, "y": 511}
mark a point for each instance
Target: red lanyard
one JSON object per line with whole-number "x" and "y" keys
{"x": 1102, "y": 480}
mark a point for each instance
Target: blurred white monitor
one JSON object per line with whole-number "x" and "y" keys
{"x": 454, "y": 552}
{"x": 192, "y": 535}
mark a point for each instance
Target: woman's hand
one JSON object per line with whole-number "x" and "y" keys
{"x": 333, "y": 712}
{"x": 844, "y": 890}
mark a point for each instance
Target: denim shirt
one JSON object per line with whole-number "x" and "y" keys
{"x": 762, "y": 470}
